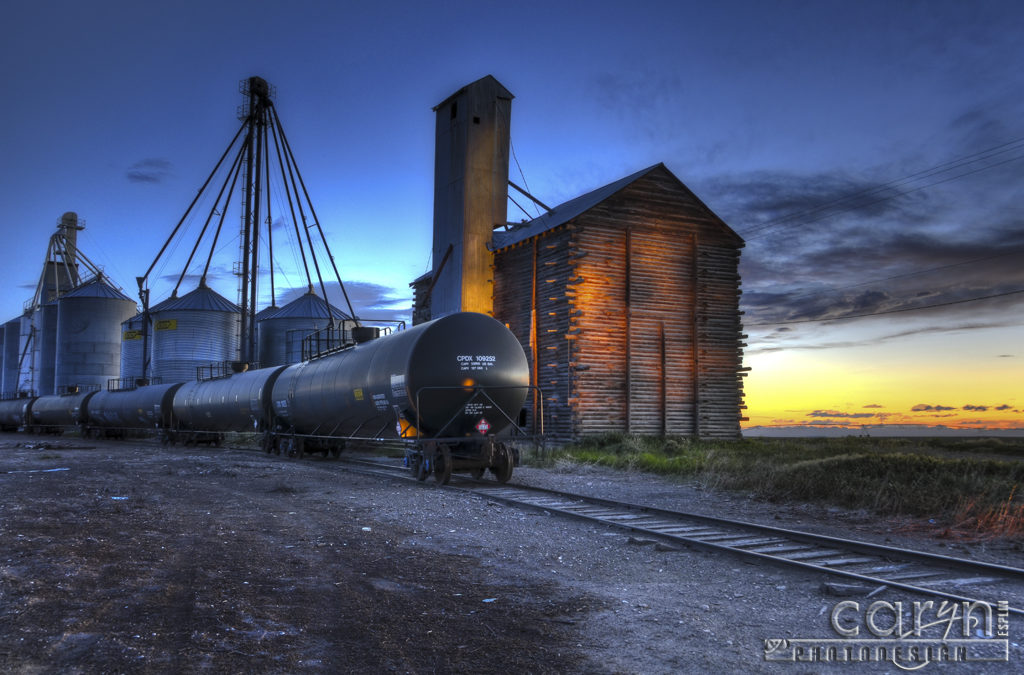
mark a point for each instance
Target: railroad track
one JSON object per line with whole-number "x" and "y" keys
{"x": 881, "y": 566}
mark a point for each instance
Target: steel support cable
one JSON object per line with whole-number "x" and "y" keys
{"x": 323, "y": 238}
{"x": 206, "y": 225}
{"x": 194, "y": 200}
{"x": 887, "y": 311}
{"x": 270, "y": 227}
{"x": 293, "y": 171}
{"x": 285, "y": 176}
{"x": 223, "y": 213}
{"x": 924, "y": 173}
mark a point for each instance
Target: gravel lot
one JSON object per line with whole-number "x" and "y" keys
{"x": 130, "y": 557}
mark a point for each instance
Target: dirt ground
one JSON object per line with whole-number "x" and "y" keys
{"x": 130, "y": 557}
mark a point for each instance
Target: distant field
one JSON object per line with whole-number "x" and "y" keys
{"x": 971, "y": 484}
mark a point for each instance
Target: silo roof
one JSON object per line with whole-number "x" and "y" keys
{"x": 267, "y": 312}
{"x": 97, "y": 288}
{"x": 201, "y": 299}
{"x": 307, "y": 306}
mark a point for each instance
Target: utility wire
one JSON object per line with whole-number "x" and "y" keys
{"x": 811, "y": 294}
{"x": 887, "y": 311}
{"x": 889, "y": 197}
{"x": 950, "y": 165}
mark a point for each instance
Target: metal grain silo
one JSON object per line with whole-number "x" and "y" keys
{"x": 131, "y": 347}
{"x": 280, "y": 334}
{"x": 89, "y": 334}
{"x": 194, "y": 330}
{"x": 44, "y": 326}
{"x": 8, "y": 362}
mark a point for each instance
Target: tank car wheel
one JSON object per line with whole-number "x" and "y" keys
{"x": 419, "y": 467}
{"x": 503, "y": 469}
{"x": 443, "y": 465}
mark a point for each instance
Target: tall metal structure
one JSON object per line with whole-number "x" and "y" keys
{"x": 62, "y": 272}
{"x": 261, "y": 149}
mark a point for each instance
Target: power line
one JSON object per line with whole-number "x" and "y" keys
{"x": 887, "y": 311}
{"x": 811, "y": 294}
{"x": 939, "y": 169}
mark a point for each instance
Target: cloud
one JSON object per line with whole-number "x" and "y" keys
{"x": 1006, "y": 356}
{"x": 369, "y": 301}
{"x": 976, "y": 408}
{"x": 1004, "y": 407}
{"x": 873, "y": 405}
{"x": 835, "y": 413}
{"x": 924, "y": 407}
{"x": 150, "y": 170}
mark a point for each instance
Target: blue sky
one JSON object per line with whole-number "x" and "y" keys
{"x": 118, "y": 110}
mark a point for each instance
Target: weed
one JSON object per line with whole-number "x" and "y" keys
{"x": 944, "y": 479}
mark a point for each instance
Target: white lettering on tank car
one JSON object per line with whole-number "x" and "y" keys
{"x": 397, "y": 386}
{"x": 380, "y": 401}
{"x": 478, "y": 362}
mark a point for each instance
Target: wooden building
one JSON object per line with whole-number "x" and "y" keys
{"x": 626, "y": 300}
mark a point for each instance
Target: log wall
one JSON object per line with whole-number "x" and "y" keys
{"x": 630, "y": 315}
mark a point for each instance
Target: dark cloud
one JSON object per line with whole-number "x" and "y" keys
{"x": 151, "y": 170}
{"x": 976, "y": 408}
{"x": 836, "y": 413}
{"x": 1006, "y": 356}
{"x": 873, "y": 405}
{"x": 830, "y": 245}
{"x": 1004, "y": 407}
{"x": 369, "y": 301}
{"x": 924, "y": 407}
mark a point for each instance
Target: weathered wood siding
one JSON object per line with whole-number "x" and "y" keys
{"x": 630, "y": 315}
{"x": 530, "y": 297}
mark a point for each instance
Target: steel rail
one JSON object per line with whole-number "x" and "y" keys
{"x": 848, "y": 558}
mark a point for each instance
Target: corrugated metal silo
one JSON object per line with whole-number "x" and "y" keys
{"x": 89, "y": 334}
{"x": 44, "y": 323}
{"x": 280, "y": 334}
{"x": 11, "y": 357}
{"x": 27, "y": 363}
{"x": 194, "y": 330}
{"x": 131, "y": 347}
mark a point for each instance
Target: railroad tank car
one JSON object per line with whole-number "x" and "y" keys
{"x": 454, "y": 381}
{"x": 116, "y": 412}
{"x": 54, "y": 414}
{"x": 14, "y": 412}
{"x": 236, "y": 403}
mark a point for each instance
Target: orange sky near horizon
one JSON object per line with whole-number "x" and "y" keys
{"x": 965, "y": 380}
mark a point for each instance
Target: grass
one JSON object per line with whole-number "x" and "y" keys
{"x": 970, "y": 485}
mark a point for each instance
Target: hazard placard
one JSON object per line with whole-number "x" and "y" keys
{"x": 483, "y": 426}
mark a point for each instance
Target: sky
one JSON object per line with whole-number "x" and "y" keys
{"x": 870, "y": 153}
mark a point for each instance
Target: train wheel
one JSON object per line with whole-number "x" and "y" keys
{"x": 443, "y": 465}
{"x": 503, "y": 469}
{"x": 419, "y": 467}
